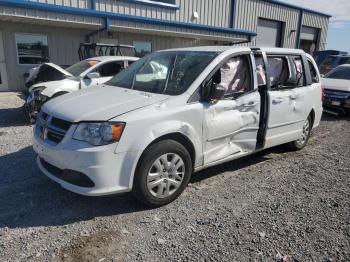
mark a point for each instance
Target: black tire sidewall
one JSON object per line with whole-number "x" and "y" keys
{"x": 295, "y": 145}
{"x": 140, "y": 189}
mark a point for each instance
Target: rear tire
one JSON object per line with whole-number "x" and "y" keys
{"x": 162, "y": 174}
{"x": 302, "y": 141}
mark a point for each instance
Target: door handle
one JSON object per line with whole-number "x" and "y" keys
{"x": 250, "y": 104}
{"x": 277, "y": 101}
{"x": 293, "y": 97}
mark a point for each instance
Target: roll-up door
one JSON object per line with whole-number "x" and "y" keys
{"x": 309, "y": 39}
{"x": 269, "y": 33}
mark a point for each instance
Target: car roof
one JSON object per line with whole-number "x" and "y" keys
{"x": 113, "y": 58}
{"x": 348, "y": 56}
{"x": 219, "y": 49}
{"x": 343, "y": 65}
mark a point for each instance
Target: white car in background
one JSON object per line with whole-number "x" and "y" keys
{"x": 337, "y": 89}
{"x": 175, "y": 112}
{"x": 49, "y": 80}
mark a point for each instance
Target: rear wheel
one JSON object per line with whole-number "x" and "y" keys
{"x": 304, "y": 138}
{"x": 162, "y": 174}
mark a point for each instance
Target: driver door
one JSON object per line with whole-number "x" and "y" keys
{"x": 231, "y": 124}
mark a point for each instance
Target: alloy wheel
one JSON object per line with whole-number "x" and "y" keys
{"x": 165, "y": 175}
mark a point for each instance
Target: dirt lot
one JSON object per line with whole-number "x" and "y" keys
{"x": 273, "y": 206}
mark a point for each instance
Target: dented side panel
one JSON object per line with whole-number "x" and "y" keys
{"x": 231, "y": 127}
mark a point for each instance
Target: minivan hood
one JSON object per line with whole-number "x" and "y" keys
{"x": 99, "y": 103}
{"x": 336, "y": 84}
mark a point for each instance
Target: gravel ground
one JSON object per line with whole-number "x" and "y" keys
{"x": 273, "y": 206}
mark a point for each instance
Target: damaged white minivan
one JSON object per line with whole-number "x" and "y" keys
{"x": 173, "y": 113}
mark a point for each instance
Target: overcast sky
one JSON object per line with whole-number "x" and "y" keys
{"x": 339, "y": 29}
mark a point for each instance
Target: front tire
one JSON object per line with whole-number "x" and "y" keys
{"x": 304, "y": 138}
{"x": 163, "y": 173}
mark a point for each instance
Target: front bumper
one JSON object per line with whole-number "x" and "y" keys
{"x": 110, "y": 172}
{"x": 33, "y": 105}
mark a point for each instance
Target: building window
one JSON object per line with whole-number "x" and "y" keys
{"x": 142, "y": 48}
{"x": 32, "y": 49}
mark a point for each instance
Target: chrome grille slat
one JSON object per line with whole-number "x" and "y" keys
{"x": 56, "y": 130}
{"x": 48, "y": 131}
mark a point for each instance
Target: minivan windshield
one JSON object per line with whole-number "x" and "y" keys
{"x": 168, "y": 73}
{"x": 81, "y": 66}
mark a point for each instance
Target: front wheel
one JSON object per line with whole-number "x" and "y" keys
{"x": 304, "y": 138}
{"x": 162, "y": 174}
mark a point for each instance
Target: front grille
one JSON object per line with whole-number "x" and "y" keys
{"x": 52, "y": 129}
{"x": 336, "y": 94}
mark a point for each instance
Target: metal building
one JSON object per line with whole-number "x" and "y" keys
{"x": 35, "y": 31}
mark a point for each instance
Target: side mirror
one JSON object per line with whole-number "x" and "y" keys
{"x": 26, "y": 75}
{"x": 93, "y": 75}
{"x": 217, "y": 92}
{"x": 322, "y": 75}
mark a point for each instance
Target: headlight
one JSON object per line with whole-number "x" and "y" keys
{"x": 38, "y": 89}
{"x": 98, "y": 134}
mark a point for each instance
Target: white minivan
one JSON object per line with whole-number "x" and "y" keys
{"x": 176, "y": 112}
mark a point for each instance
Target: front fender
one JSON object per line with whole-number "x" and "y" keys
{"x": 155, "y": 132}
{"x": 59, "y": 86}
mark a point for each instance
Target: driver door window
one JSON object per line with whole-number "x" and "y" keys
{"x": 235, "y": 76}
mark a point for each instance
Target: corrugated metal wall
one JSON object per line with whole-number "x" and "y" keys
{"x": 64, "y": 43}
{"x": 158, "y": 42}
{"x": 248, "y": 12}
{"x": 64, "y": 40}
{"x": 320, "y": 22}
{"x": 70, "y": 3}
{"x": 211, "y": 12}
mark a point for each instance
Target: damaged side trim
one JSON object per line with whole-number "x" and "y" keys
{"x": 234, "y": 133}
{"x": 286, "y": 124}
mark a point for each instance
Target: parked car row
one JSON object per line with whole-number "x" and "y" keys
{"x": 172, "y": 113}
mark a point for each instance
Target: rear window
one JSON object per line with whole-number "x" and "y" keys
{"x": 329, "y": 60}
{"x": 341, "y": 73}
{"x": 344, "y": 60}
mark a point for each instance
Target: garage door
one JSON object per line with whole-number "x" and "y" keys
{"x": 308, "y": 39}
{"x": 269, "y": 33}
{"x": 309, "y": 33}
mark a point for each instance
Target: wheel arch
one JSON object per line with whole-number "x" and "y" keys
{"x": 176, "y": 136}
{"x": 312, "y": 115}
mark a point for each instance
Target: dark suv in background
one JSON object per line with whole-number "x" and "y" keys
{"x": 332, "y": 62}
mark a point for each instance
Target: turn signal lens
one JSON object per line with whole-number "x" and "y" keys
{"x": 117, "y": 131}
